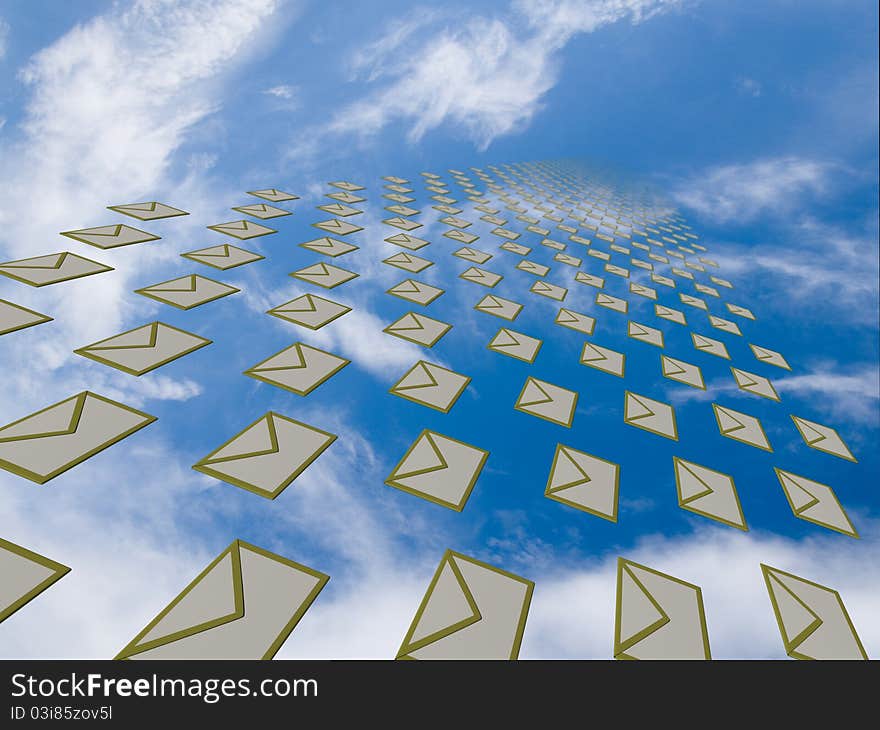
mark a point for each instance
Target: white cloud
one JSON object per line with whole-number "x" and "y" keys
{"x": 849, "y": 397}
{"x": 486, "y": 76}
{"x": 4, "y": 39}
{"x": 742, "y": 192}
{"x": 749, "y": 87}
{"x": 283, "y": 91}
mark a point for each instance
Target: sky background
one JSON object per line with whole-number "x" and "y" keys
{"x": 758, "y": 122}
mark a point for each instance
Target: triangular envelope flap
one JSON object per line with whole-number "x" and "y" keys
{"x": 798, "y": 494}
{"x": 744, "y": 379}
{"x": 491, "y": 302}
{"x": 107, "y": 230}
{"x": 505, "y": 338}
{"x": 211, "y": 599}
{"x": 638, "y": 407}
{"x": 408, "y": 321}
{"x": 637, "y": 610}
{"x": 795, "y": 616}
{"x": 534, "y": 394}
{"x": 424, "y": 455}
{"x": 49, "y": 261}
{"x": 727, "y": 421}
{"x": 224, "y": 249}
{"x": 592, "y": 353}
{"x": 450, "y": 603}
{"x": 408, "y": 286}
{"x": 294, "y": 356}
{"x": 419, "y": 376}
{"x": 473, "y": 273}
{"x": 305, "y": 303}
{"x": 762, "y": 353}
{"x": 146, "y": 207}
{"x": 568, "y": 472}
{"x": 259, "y": 437}
{"x": 673, "y": 367}
{"x": 811, "y": 431}
{"x": 140, "y": 337}
{"x": 184, "y": 283}
{"x": 319, "y": 269}
{"x": 694, "y": 481}
{"x": 57, "y": 419}
{"x": 399, "y": 238}
{"x": 400, "y": 258}
{"x": 567, "y": 316}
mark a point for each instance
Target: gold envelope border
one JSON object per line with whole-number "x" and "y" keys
{"x": 277, "y": 196}
{"x": 427, "y": 433}
{"x": 407, "y": 647}
{"x": 554, "y": 494}
{"x": 274, "y": 213}
{"x": 239, "y": 612}
{"x": 793, "y": 477}
{"x": 42, "y": 479}
{"x": 481, "y": 258}
{"x": 256, "y": 376}
{"x": 572, "y": 325}
{"x": 335, "y": 244}
{"x": 338, "y": 208}
{"x": 202, "y": 466}
{"x": 604, "y": 370}
{"x": 43, "y": 318}
{"x": 159, "y": 298}
{"x": 456, "y": 234}
{"x": 819, "y": 448}
{"x": 613, "y": 305}
{"x": 550, "y": 292}
{"x": 678, "y": 461}
{"x": 218, "y": 227}
{"x": 62, "y": 257}
{"x": 583, "y": 277}
{"x": 311, "y": 297}
{"x": 198, "y": 256}
{"x": 626, "y": 396}
{"x": 84, "y": 351}
{"x": 480, "y": 307}
{"x": 733, "y": 372}
{"x": 497, "y": 348}
{"x": 452, "y": 401}
{"x": 483, "y": 272}
{"x": 702, "y": 385}
{"x": 621, "y": 647}
{"x": 416, "y": 265}
{"x": 629, "y": 333}
{"x": 786, "y": 366}
{"x": 119, "y": 226}
{"x": 667, "y": 317}
{"x": 725, "y": 355}
{"x": 120, "y": 209}
{"x": 411, "y": 243}
{"x": 522, "y": 409}
{"x": 59, "y": 571}
{"x": 304, "y": 277}
{"x": 446, "y": 328}
{"x": 768, "y": 448}
{"x": 434, "y": 296}
{"x": 325, "y": 226}
{"x": 791, "y": 644}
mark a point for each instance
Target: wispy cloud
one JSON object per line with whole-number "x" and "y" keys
{"x": 283, "y": 91}
{"x": 851, "y": 397}
{"x": 485, "y": 76}
{"x": 742, "y": 192}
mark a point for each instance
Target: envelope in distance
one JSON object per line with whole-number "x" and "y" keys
{"x": 471, "y": 610}
{"x": 110, "y": 236}
{"x": 499, "y": 307}
{"x": 439, "y": 469}
{"x": 47, "y": 443}
{"x": 658, "y": 616}
{"x": 25, "y": 576}
{"x": 266, "y": 456}
{"x": 51, "y": 269}
{"x": 515, "y": 345}
{"x": 144, "y": 348}
{"x": 431, "y": 385}
{"x": 242, "y": 229}
{"x": 262, "y": 211}
{"x": 147, "y": 211}
{"x": 337, "y": 227}
{"x": 244, "y": 605}
{"x": 332, "y": 247}
{"x": 325, "y": 275}
{"x": 225, "y": 256}
{"x": 416, "y": 292}
{"x": 299, "y": 368}
{"x": 812, "y": 619}
{"x": 575, "y": 320}
{"x": 273, "y": 195}
{"x": 310, "y": 310}
{"x": 187, "y": 292}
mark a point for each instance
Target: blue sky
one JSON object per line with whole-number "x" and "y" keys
{"x": 759, "y": 124}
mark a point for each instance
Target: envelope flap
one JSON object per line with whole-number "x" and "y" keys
{"x": 419, "y": 377}
{"x": 408, "y": 322}
{"x": 422, "y": 458}
{"x": 60, "y": 419}
{"x": 810, "y": 431}
{"x": 693, "y": 481}
{"x": 50, "y": 261}
{"x": 491, "y": 302}
{"x": 319, "y": 269}
{"x": 727, "y": 421}
{"x": 796, "y": 619}
{"x": 305, "y": 303}
{"x": 637, "y": 407}
{"x": 409, "y": 286}
{"x": 141, "y": 337}
{"x": 447, "y": 607}
{"x": 638, "y": 613}
{"x": 184, "y": 283}
{"x": 215, "y": 597}
{"x": 567, "y": 472}
{"x": 533, "y": 394}
{"x": 292, "y": 358}
{"x": 506, "y": 338}
{"x": 672, "y": 367}
{"x": 258, "y": 439}
{"x": 592, "y": 353}
{"x": 566, "y": 315}
{"x": 798, "y": 492}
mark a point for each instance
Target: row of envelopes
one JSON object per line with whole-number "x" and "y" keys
{"x": 247, "y": 601}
